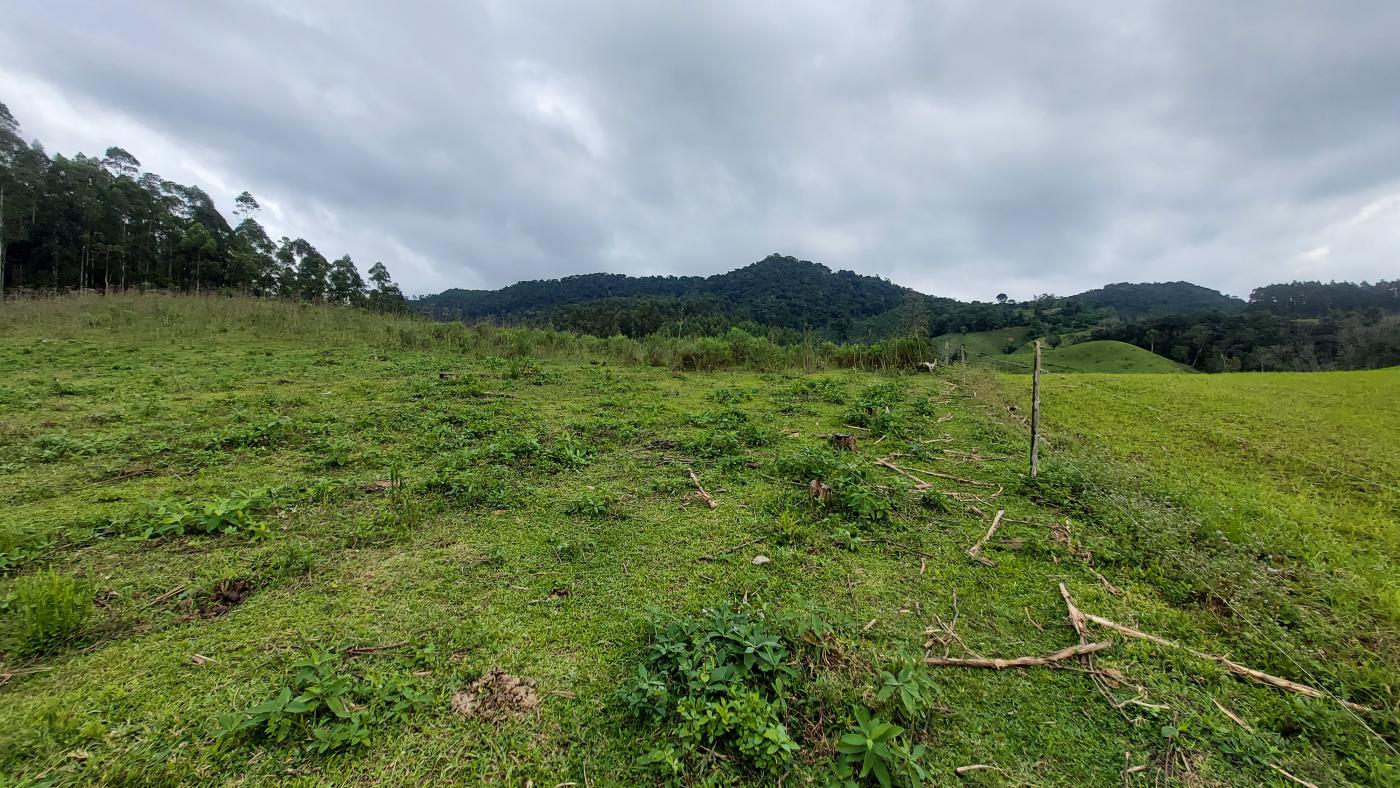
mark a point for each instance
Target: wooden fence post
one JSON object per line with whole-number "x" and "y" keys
{"x": 1035, "y": 413}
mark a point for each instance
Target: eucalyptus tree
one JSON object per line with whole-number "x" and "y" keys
{"x": 346, "y": 286}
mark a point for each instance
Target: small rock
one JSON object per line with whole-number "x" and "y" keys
{"x": 760, "y": 560}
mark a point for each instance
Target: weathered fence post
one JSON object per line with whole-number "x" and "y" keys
{"x": 1035, "y": 413}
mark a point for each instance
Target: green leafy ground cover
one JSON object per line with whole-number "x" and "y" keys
{"x": 260, "y": 555}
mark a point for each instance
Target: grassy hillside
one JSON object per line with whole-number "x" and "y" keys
{"x": 984, "y": 343}
{"x": 986, "y": 348}
{"x": 225, "y": 509}
{"x": 1104, "y": 355}
{"x": 1301, "y": 465}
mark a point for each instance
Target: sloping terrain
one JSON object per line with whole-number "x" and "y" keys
{"x": 1131, "y": 301}
{"x": 470, "y": 539}
{"x": 1103, "y": 355}
{"x": 984, "y": 343}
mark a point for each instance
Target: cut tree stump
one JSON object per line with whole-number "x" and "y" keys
{"x": 843, "y": 441}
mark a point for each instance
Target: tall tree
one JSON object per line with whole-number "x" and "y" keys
{"x": 199, "y": 245}
{"x": 386, "y": 296}
{"x": 346, "y": 286}
{"x": 312, "y": 268}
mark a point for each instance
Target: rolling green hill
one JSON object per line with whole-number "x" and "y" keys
{"x": 1101, "y": 356}
{"x": 983, "y": 343}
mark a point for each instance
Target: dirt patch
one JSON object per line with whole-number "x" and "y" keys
{"x": 227, "y": 595}
{"x": 496, "y": 696}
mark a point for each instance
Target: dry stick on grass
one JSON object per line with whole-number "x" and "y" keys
{"x": 357, "y": 650}
{"x": 1233, "y": 716}
{"x": 701, "y": 494}
{"x": 728, "y": 550}
{"x": 919, "y": 484}
{"x": 9, "y": 674}
{"x": 976, "y": 550}
{"x": 1069, "y": 652}
{"x": 951, "y": 477}
{"x": 1081, "y": 628}
{"x": 949, "y": 632}
{"x": 1229, "y": 665}
{"x": 163, "y": 597}
{"x": 1295, "y": 778}
{"x": 977, "y": 767}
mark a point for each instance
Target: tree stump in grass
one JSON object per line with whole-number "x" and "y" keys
{"x": 843, "y": 442}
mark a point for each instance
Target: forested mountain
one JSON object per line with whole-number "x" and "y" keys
{"x": 1132, "y": 301}
{"x": 778, "y": 291}
{"x": 90, "y": 223}
{"x": 1263, "y": 341}
{"x": 1315, "y": 299}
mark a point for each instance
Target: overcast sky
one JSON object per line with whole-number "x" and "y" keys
{"x": 960, "y": 148}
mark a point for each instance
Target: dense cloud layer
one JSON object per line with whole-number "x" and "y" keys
{"x": 961, "y": 148}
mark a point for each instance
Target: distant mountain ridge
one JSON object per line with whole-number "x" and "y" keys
{"x": 1153, "y": 299}
{"x": 778, "y": 291}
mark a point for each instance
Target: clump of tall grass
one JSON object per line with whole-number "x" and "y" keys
{"x": 49, "y": 609}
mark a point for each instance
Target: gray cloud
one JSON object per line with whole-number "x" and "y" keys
{"x": 961, "y": 148}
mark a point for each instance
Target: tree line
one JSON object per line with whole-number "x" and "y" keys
{"x": 90, "y": 223}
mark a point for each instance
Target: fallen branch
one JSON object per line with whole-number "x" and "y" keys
{"x": 701, "y": 494}
{"x": 1229, "y": 665}
{"x": 977, "y": 767}
{"x": 357, "y": 650}
{"x": 728, "y": 550}
{"x": 1292, "y": 777}
{"x": 902, "y": 546}
{"x": 951, "y": 477}
{"x": 919, "y": 484}
{"x": 1069, "y": 652}
{"x": 1233, "y": 716}
{"x": 168, "y": 594}
{"x": 1081, "y": 628}
{"x": 976, "y": 550}
{"x": 9, "y": 674}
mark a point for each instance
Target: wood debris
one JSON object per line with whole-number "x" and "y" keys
{"x": 1069, "y": 652}
{"x": 700, "y": 491}
{"x": 1229, "y": 665}
{"x": 975, "y": 552}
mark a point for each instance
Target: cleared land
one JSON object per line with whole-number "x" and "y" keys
{"x": 473, "y": 506}
{"x": 1101, "y": 355}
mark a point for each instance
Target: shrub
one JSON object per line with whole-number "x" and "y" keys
{"x": 50, "y": 609}
{"x": 906, "y": 688}
{"x": 229, "y": 515}
{"x": 875, "y": 749}
{"x": 590, "y": 504}
{"x": 851, "y": 492}
{"x": 717, "y": 681}
{"x": 326, "y": 707}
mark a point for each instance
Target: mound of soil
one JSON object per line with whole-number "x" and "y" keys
{"x": 227, "y": 595}
{"x": 496, "y": 696}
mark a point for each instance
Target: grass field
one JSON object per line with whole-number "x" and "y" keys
{"x": 984, "y": 343}
{"x": 224, "y": 508}
{"x": 987, "y": 348}
{"x": 1101, "y": 355}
